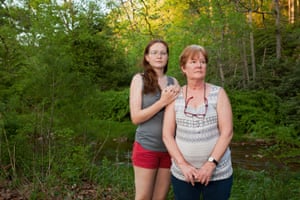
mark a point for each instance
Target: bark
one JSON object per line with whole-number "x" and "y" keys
{"x": 252, "y": 48}
{"x": 278, "y": 33}
{"x": 291, "y": 11}
{"x": 245, "y": 64}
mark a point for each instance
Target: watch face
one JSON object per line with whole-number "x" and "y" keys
{"x": 211, "y": 159}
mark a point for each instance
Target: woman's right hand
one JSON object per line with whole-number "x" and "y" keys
{"x": 169, "y": 94}
{"x": 189, "y": 172}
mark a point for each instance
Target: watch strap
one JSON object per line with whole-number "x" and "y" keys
{"x": 212, "y": 159}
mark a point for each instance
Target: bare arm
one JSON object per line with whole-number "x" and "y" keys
{"x": 139, "y": 115}
{"x": 226, "y": 132}
{"x": 169, "y": 127}
{"x": 225, "y": 125}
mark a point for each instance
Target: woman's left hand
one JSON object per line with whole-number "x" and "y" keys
{"x": 205, "y": 172}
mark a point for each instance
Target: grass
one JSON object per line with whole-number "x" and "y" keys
{"x": 116, "y": 182}
{"x": 248, "y": 184}
{"x": 260, "y": 185}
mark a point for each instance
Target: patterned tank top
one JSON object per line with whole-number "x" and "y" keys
{"x": 197, "y": 136}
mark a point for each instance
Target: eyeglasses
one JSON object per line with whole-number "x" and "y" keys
{"x": 155, "y": 53}
{"x": 198, "y": 115}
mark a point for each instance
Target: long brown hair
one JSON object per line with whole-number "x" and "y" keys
{"x": 150, "y": 77}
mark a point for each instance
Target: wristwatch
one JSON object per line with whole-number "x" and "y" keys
{"x": 211, "y": 159}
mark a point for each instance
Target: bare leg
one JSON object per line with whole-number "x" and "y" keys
{"x": 144, "y": 183}
{"x": 162, "y": 184}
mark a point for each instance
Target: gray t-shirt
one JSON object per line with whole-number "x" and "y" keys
{"x": 149, "y": 133}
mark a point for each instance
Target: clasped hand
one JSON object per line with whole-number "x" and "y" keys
{"x": 202, "y": 175}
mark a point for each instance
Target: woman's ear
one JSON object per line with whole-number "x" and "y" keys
{"x": 147, "y": 57}
{"x": 182, "y": 69}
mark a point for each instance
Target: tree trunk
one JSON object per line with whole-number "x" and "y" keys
{"x": 278, "y": 33}
{"x": 252, "y": 47}
{"x": 221, "y": 73}
{"x": 291, "y": 11}
{"x": 245, "y": 64}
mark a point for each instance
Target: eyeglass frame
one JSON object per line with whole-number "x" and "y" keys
{"x": 156, "y": 53}
{"x": 189, "y": 114}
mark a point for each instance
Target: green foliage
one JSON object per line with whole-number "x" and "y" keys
{"x": 114, "y": 129}
{"x": 95, "y": 56}
{"x": 290, "y": 93}
{"x": 110, "y": 105}
{"x": 255, "y": 113}
{"x": 69, "y": 159}
{"x": 252, "y": 185}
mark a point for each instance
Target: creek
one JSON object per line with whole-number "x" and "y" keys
{"x": 245, "y": 155}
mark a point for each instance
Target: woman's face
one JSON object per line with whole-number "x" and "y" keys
{"x": 195, "y": 67}
{"x": 157, "y": 56}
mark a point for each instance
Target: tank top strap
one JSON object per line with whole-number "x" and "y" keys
{"x": 170, "y": 80}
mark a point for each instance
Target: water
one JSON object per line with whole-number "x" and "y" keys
{"x": 250, "y": 156}
{"x": 244, "y": 155}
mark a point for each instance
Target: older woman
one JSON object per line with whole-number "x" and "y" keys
{"x": 197, "y": 132}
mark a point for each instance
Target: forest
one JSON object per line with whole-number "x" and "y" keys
{"x": 66, "y": 67}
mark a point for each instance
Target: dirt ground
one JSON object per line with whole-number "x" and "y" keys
{"x": 85, "y": 191}
{"x": 6, "y": 193}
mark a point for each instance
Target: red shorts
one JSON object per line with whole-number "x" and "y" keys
{"x": 149, "y": 159}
